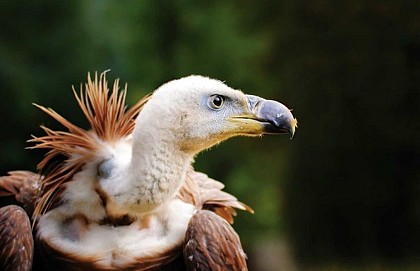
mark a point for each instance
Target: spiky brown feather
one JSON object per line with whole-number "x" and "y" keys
{"x": 109, "y": 120}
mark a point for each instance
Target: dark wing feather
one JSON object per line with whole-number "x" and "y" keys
{"x": 211, "y": 244}
{"x": 16, "y": 241}
{"x": 24, "y": 186}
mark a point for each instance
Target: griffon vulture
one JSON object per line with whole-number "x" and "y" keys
{"x": 123, "y": 195}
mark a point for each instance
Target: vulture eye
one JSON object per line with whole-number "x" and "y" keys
{"x": 216, "y": 101}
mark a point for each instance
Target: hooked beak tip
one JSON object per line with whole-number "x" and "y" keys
{"x": 293, "y": 126}
{"x": 277, "y": 117}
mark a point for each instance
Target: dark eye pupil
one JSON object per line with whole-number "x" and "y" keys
{"x": 218, "y": 101}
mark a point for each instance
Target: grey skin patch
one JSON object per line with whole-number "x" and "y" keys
{"x": 105, "y": 168}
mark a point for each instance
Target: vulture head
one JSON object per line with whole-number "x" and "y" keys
{"x": 199, "y": 112}
{"x": 182, "y": 118}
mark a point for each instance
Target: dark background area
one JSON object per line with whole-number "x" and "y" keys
{"x": 344, "y": 193}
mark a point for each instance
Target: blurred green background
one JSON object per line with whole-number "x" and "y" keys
{"x": 344, "y": 194}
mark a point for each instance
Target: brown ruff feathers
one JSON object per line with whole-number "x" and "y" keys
{"x": 109, "y": 120}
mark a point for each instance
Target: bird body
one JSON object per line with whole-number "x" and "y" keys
{"x": 123, "y": 195}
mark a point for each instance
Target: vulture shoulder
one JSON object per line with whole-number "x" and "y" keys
{"x": 25, "y": 186}
{"x": 207, "y": 193}
{"x": 212, "y": 244}
{"x": 16, "y": 241}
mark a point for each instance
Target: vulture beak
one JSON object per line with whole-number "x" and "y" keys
{"x": 266, "y": 117}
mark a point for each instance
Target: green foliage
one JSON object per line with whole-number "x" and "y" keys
{"x": 345, "y": 188}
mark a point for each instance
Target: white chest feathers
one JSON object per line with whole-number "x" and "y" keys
{"x": 148, "y": 235}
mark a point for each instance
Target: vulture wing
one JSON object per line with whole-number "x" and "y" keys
{"x": 16, "y": 241}
{"x": 212, "y": 244}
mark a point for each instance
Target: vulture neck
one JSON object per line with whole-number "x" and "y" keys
{"x": 158, "y": 165}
